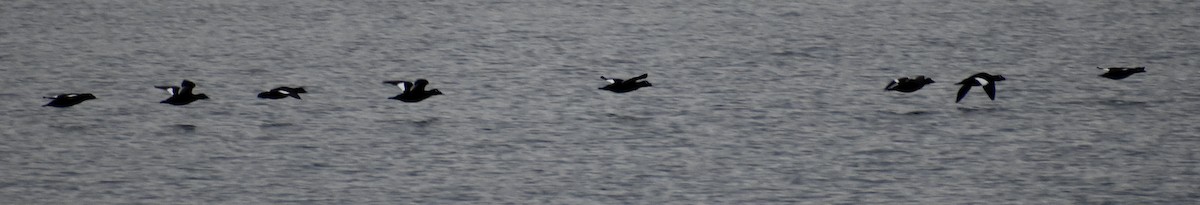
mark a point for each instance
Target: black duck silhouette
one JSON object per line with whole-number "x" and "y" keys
{"x": 985, "y": 80}
{"x": 282, "y": 92}
{"x": 182, "y": 95}
{"x": 622, "y": 86}
{"x": 413, "y": 91}
{"x": 1117, "y": 73}
{"x": 908, "y": 85}
{"x": 68, "y": 100}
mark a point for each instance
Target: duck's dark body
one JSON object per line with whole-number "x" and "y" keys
{"x": 623, "y": 86}
{"x": 413, "y": 91}
{"x": 68, "y": 100}
{"x": 908, "y": 85}
{"x": 1117, "y": 73}
{"x": 985, "y": 80}
{"x": 282, "y": 92}
{"x": 182, "y": 95}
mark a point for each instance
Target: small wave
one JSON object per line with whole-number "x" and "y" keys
{"x": 275, "y": 125}
{"x": 626, "y": 117}
{"x": 912, "y": 112}
{"x": 979, "y": 109}
{"x": 882, "y": 152}
{"x": 1122, "y": 103}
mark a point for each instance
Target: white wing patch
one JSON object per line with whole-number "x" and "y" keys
{"x": 284, "y": 92}
{"x": 170, "y": 91}
{"x": 982, "y": 81}
{"x": 401, "y": 85}
{"x": 610, "y": 81}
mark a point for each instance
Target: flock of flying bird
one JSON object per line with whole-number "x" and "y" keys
{"x": 415, "y": 91}
{"x": 988, "y": 81}
{"x": 411, "y": 92}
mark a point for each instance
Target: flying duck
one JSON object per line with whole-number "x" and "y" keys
{"x": 985, "y": 80}
{"x": 908, "y": 85}
{"x": 412, "y": 91}
{"x": 68, "y": 100}
{"x": 1117, "y": 73}
{"x": 282, "y": 92}
{"x": 622, "y": 86}
{"x": 182, "y": 95}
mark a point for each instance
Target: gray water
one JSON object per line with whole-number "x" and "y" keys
{"x": 754, "y": 102}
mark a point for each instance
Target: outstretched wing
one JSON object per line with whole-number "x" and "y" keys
{"x": 295, "y": 93}
{"x": 187, "y": 87}
{"x": 281, "y": 91}
{"x": 640, "y": 77}
{"x": 892, "y": 85}
{"x": 404, "y": 85}
{"x": 962, "y": 92}
{"x": 173, "y": 90}
{"x": 299, "y": 90}
{"x": 56, "y": 96}
{"x": 990, "y": 89}
{"x": 611, "y": 80}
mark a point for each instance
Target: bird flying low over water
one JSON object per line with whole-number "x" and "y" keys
{"x": 282, "y": 92}
{"x": 908, "y": 85}
{"x": 622, "y": 86}
{"x": 1117, "y": 73}
{"x": 182, "y": 95}
{"x": 985, "y": 80}
{"x": 68, "y": 100}
{"x": 412, "y": 91}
